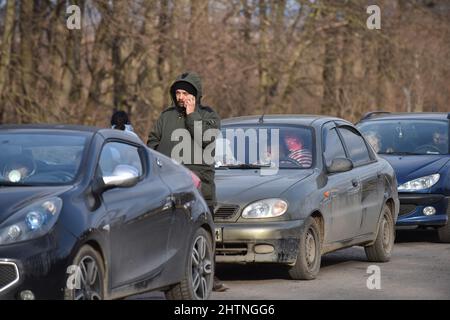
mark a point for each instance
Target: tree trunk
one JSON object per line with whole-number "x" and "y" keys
{"x": 347, "y": 109}
{"x": 6, "y": 51}
{"x": 74, "y": 60}
{"x": 329, "y": 106}
{"x": 198, "y": 25}
{"x": 163, "y": 28}
{"x": 263, "y": 65}
{"x": 117, "y": 39}
{"x": 419, "y": 91}
{"x": 26, "y": 46}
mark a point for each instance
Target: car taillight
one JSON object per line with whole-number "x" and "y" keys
{"x": 196, "y": 180}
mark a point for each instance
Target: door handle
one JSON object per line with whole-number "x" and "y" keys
{"x": 355, "y": 183}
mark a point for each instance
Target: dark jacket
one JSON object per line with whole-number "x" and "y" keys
{"x": 174, "y": 118}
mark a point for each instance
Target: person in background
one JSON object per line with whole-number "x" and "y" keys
{"x": 297, "y": 150}
{"x": 121, "y": 121}
{"x": 440, "y": 140}
{"x": 374, "y": 140}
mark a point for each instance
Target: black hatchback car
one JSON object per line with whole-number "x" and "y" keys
{"x": 291, "y": 188}
{"x": 89, "y": 213}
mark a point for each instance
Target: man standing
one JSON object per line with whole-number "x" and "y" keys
{"x": 188, "y": 114}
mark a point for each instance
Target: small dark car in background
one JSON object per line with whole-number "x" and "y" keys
{"x": 333, "y": 193}
{"x": 90, "y": 213}
{"x": 417, "y": 146}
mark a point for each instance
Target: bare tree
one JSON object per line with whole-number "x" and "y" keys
{"x": 255, "y": 56}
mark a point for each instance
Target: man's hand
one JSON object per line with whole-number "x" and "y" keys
{"x": 190, "y": 104}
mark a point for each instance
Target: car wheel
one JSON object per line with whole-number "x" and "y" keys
{"x": 444, "y": 232}
{"x": 309, "y": 255}
{"x": 87, "y": 279}
{"x": 199, "y": 270}
{"x": 381, "y": 250}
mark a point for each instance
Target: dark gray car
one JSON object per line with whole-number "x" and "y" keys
{"x": 289, "y": 205}
{"x": 89, "y": 213}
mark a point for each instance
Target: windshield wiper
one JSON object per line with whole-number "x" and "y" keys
{"x": 402, "y": 153}
{"x": 246, "y": 166}
{"x": 14, "y": 184}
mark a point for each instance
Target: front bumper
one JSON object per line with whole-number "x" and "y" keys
{"x": 412, "y": 205}
{"x": 267, "y": 242}
{"x": 36, "y": 265}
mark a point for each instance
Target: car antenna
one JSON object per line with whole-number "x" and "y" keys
{"x": 261, "y": 119}
{"x": 264, "y": 110}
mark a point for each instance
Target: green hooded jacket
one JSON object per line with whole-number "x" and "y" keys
{"x": 173, "y": 118}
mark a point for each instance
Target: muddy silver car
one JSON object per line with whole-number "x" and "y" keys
{"x": 314, "y": 186}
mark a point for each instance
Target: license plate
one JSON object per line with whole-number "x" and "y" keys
{"x": 218, "y": 234}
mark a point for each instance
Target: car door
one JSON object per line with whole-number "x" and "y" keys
{"x": 343, "y": 189}
{"x": 139, "y": 216}
{"x": 366, "y": 171}
{"x": 180, "y": 184}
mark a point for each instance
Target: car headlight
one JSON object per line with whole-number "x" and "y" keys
{"x": 31, "y": 222}
{"x": 268, "y": 208}
{"x": 420, "y": 183}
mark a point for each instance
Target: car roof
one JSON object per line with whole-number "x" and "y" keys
{"x": 405, "y": 115}
{"x": 119, "y": 134}
{"x": 297, "y": 119}
{"x": 49, "y": 127}
{"x": 65, "y": 128}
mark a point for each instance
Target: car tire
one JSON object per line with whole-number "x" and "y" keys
{"x": 199, "y": 270}
{"x": 444, "y": 233}
{"x": 87, "y": 280}
{"x": 381, "y": 249}
{"x": 307, "y": 265}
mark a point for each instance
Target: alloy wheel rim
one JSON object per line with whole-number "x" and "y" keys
{"x": 90, "y": 280}
{"x": 201, "y": 268}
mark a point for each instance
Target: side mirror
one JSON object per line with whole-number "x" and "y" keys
{"x": 122, "y": 176}
{"x": 340, "y": 165}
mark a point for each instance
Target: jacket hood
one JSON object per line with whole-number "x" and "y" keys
{"x": 13, "y": 199}
{"x": 191, "y": 78}
{"x": 412, "y": 167}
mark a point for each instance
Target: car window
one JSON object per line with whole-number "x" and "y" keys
{"x": 356, "y": 146}
{"x": 333, "y": 146}
{"x": 115, "y": 154}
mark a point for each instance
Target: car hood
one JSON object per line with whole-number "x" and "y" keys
{"x": 412, "y": 167}
{"x": 244, "y": 186}
{"x": 13, "y": 199}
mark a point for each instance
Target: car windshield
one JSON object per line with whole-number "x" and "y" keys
{"x": 265, "y": 146}
{"x": 407, "y": 137}
{"x": 40, "y": 159}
